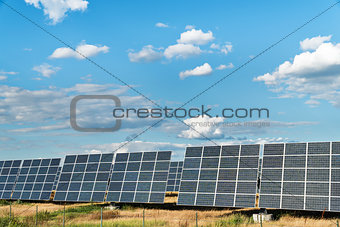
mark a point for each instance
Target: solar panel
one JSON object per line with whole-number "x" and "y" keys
{"x": 175, "y": 175}
{"x": 35, "y": 180}
{"x": 56, "y": 179}
{"x": 84, "y": 178}
{"x": 301, "y": 176}
{"x": 8, "y": 174}
{"x": 223, "y": 176}
{"x": 139, "y": 177}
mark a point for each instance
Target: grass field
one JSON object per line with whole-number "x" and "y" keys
{"x": 86, "y": 215}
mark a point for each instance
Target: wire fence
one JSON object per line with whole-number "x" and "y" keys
{"x": 112, "y": 216}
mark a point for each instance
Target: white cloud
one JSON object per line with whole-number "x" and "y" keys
{"x": 215, "y": 46}
{"x": 46, "y": 70}
{"x": 134, "y": 146}
{"x": 84, "y": 49}
{"x": 221, "y": 67}
{"x": 27, "y": 49}
{"x": 147, "y": 54}
{"x": 56, "y": 10}
{"x": 314, "y": 43}
{"x": 197, "y": 37}
{"x": 189, "y": 27}
{"x": 313, "y": 74}
{"x": 161, "y": 25}
{"x": 225, "y": 48}
{"x": 87, "y": 78}
{"x": 202, "y": 70}
{"x": 182, "y": 51}
{"x": 7, "y": 73}
{"x": 3, "y": 77}
{"x": 219, "y": 128}
{"x": 312, "y": 103}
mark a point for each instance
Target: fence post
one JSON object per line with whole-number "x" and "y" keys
{"x": 101, "y": 217}
{"x": 337, "y": 223}
{"x": 143, "y": 216}
{"x": 261, "y": 220}
{"x": 10, "y": 210}
{"x": 196, "y": 220}
{"x": 64, "y": 217}
{"x": 36, "y": 216}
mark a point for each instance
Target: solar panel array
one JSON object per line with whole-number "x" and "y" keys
{"x": 8, "y": 174}
{"x": 84, "y": 178}
{"x": 301, "y": 176}
{"x": 175, "y": 175}
{"x": 35, "y": 179}
{"x": 139, "y": 177}
{"x": 220, "y": 176}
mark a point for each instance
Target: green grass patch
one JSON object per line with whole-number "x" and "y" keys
{"x": 234, "y": 220}
{"x": 13, "y": 222}
{"x": 83, "y": 209}
{"x": 4, "y": 203}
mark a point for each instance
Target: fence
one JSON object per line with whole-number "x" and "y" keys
{"x": 141, "y": 218}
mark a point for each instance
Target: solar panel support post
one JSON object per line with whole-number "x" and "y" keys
{"x": 261, "y": 220}
{"x": 10, "y": 211}
{"x": 337, "y": 223}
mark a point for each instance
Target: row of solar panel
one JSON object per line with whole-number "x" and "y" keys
{"x": 210, "y": 176}
{"x": 302, "y": 176}
{"x": 135, "y": 177}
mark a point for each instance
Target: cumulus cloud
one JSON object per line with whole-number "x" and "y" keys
{"x": 314, "y": 43}
{"x": 313, "y": 74}
{"x": 56, "y": 10}
{"x": 197, "y": 37}
{"x": 46, "y": 70}
{"x": 229, "y": 66}
{"x": 147, "y": 54}
{"x": 202, "y": 70}
{"x": 84, "y": 49}
{"x": 161, "y": 25}
{"x": 182, "y": 51}
{"x": 48, "y": 109}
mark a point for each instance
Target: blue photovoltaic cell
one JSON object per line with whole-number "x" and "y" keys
{"x": 8, "y": 174}
{"x": 300, "y": 176}
{"x": 175, "y": 175}
{"x": 220, "y": 176}
{"x": 139, "y": 177}
{"x": 35, "y": 179}
{"x": 84, "y": 178}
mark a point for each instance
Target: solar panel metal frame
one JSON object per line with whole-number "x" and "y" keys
{"x": 315, "y": 185}
{"x": 230, "y": 189}
{"x": 35, "y": 179}
{"x": 84, "y": 178}
{"x": 175, "y": 175}
{"x": 147, "y": 183}
{"x": 9, "y": 170}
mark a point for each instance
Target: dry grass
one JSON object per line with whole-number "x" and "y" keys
{"x": 132, "y": 216}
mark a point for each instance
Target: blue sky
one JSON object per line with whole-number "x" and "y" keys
{"x": 169, "y": 51}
